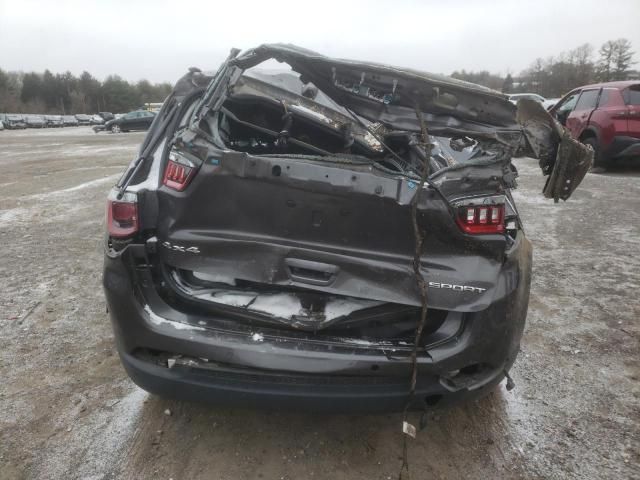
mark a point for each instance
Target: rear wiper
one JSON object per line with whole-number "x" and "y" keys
{"x": 209, "y": 101}
{"x": 175, "y": 110}
{"x": 167, "y": 111}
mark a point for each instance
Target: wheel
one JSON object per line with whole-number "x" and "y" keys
{"x": 597, "y": 167}
{"x": 115, "y": 128}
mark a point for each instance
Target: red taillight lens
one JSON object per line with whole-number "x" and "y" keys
{"x": 481, "y": 219}
{"x": 122, "y": 218}
{"x": 177, "y": 175}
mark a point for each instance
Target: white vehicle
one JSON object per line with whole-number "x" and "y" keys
{"x": 550, "y": 102}
{"x": 547, "y": 104}
{"x": 152, "y": 107}
{"x": 1, "y": 125}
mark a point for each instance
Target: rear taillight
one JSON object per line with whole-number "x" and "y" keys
{"x": 122, "y": 216}
{"x": 479, "y": 219}
{"x": 178, "y": 173}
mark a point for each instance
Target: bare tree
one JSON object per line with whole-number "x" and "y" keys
{"x": 615, "y": 60}
{"x": 622, "y": 59}
{"x": 537, "y": 75}
{"x": 605, "y": 64}
{"x": 507, "y": 85}
{"x": 584, "y": 68}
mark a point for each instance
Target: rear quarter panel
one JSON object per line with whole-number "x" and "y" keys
{"x": 633, "y": 118}
{"x": 607, "y": 118}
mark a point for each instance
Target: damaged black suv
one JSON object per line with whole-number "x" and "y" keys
{"x": 307, "y": 239}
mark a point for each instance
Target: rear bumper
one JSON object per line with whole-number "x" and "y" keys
{"x": 274, "y": 368}
{"x": 294, "y": 392}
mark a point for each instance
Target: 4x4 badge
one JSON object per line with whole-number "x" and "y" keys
{"x": 180, "y": 248}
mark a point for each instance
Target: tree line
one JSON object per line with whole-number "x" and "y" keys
{"x": 64, "y": 93}
{"x": 555, "y": 76}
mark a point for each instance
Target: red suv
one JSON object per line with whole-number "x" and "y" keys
{"x": 605, "y": 116}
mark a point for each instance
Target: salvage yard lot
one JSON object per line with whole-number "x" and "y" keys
{"x": 69, "y": 411}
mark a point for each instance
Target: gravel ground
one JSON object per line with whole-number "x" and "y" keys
{"x": 67, "y": 409}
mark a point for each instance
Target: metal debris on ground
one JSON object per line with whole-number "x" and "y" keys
{"x": 408, "y": 429}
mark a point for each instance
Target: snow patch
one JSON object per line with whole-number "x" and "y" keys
{"x": 341, "y": 307}
{"x": 215, "y": 278}
{"x": 93, "y": 441}
{"x": 12, "y": 215}
{"x": 158, "y": 320}
{"x": 89, "y": 184}
{"x": 82, "y": 186}
{"x": 257, "y": 337}
{"x": 283, "y": 305}
{"x": 286, "y": 305}
{"x": 356, "y": 341}
{"x": 229, "y": 298}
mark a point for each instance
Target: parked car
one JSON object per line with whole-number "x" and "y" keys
{"x": 54, "y": 121}
{"x": 96, "y": 120}
{"x": 136, "y": 120}
{"x": 1, "y": 125}
{"x": 605, "y": 116}
{"x": 261, "y": 248}
{"x": 83, "y": 119}
{"x": 551, "y": 102}
{"x": 106, "y": 116}
{"x": 70, "y": 121}
{"x": 35, "y": 121}
{"x": 14, "y": 121}
{"x": 152, "y": 107}
{"x": 513, "y": 98}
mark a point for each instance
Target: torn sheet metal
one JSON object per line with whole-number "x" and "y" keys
{"x": 565, "y": 160}
{"x": 389, "y": 94}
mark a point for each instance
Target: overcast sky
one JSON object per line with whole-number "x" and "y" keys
{"x": 159, "y": 40}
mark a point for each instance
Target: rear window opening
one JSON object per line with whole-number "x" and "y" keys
{"x": 261, "y": 126}
{"x": 278, "y": 114}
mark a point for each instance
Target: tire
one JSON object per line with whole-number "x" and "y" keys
{"x": 115, "y": 128}
{"x": 598, "y": 167}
